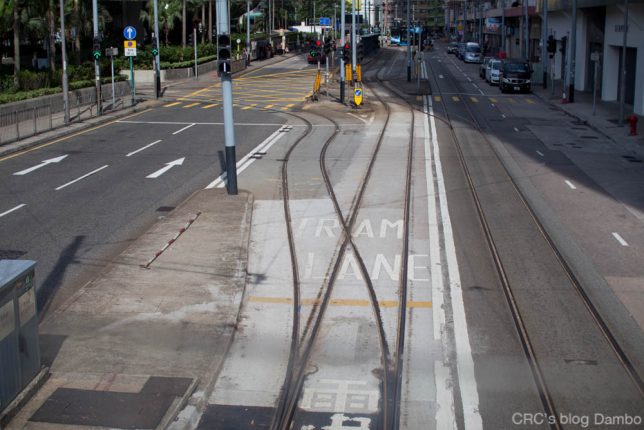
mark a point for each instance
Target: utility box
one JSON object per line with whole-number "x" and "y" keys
{"x": 19, "y": 346}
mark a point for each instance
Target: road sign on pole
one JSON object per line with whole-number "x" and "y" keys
{"x": 130, "y": 48}
{"x": 325, "y": 21}
{"x": 129, "y": 32}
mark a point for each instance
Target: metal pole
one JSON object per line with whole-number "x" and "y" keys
{"x": 503, "y": 31}
{"x": 544, "y": 44}
{"x": 157, "y": 59}
{"x": 64, "y": 55}
{"x": 342, "y": 41}
{"x": 227, "y": 93}
{"x": 595, "y": 86}
{"x": 622, "y": 81}
{"x": 194, "y": 43}
{"x": 573, "y": 45}
{"x": 247, "y": 32}
{"x": 113, "y": 93}
{"x": 354, "y": 42}
{"x": 132, "y": 88}
{"x": 97, "y": 64}
{"x": 408, "y": 41}
{"x": 464, "y": 21}
{"x": 526, "y": 32}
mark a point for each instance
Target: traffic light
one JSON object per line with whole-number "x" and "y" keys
{"x": 346, "y": 53}
{"x": 155, "y": 51}
{"x": 552, "y": 45}
{"x": 96, "y": 48}
{"x": 190, "y": 38}
{"x": 223, "y": 54}
{"x": 327, "y": 46}
{"x": 315, "y": 49}
{"x": 360, "y": 53}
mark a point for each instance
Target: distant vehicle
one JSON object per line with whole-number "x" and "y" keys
{"x": 452, "y": 48}
{"x": 515, "y": 76}
{"x": 461, "y": 50}
{"x": 483, "y": 67}
{"x": 472, "y": 53}
{"x": 493, "y": 72}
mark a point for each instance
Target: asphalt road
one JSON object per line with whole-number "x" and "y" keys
{"x": 74, "y": 215}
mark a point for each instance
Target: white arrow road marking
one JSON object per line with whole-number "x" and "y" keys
{"x": 82, "y": 177}
{"x": 167, "y": 167}
{"x": 43, "y": 164}
{"x": 11, "y": 210}
{"x": 142, "y": 148}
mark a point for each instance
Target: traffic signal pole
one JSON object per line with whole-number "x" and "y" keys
{"x": 342, "y": 72}
{"x": 97, "y": 58}
{"x": 544, "y": 51}
{"x": 157, "y": 56}
{"x": 223, "y": 59}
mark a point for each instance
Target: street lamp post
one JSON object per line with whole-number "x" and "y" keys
{"x": 97, "y": 63}
{"x": 157, "y": 58}
{"x": 64, "y": 55}
{"x": 544, "y": 44}
{"x": 622, "y": 81}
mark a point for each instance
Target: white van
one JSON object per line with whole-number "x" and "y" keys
{"x": 472, "y": 53}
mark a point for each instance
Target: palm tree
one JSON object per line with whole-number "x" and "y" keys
{"x": 169, "y": 12}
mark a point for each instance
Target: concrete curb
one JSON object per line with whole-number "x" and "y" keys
{"x": 23, "y": 397}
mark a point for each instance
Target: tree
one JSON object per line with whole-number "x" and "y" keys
{"x": 169, "y": 12}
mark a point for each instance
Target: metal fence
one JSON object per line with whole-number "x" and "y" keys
{"x": 29, "y": 119}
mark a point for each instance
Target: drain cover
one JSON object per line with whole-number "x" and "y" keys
{"x": 165, "y": 208}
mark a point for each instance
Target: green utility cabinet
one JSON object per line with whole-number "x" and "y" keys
{"x": 19, "y": 348}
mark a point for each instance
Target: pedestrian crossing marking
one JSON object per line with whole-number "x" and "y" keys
{"x": 210, "y": 106}
{"x": 456, "y": 99}
{"x": 530, "y": 101}
{"x": 172, "y": 104}
{"x": 437, "y": 99}
{"x": 474, "y": 99}
{"x": 190, "y": 105}
{"x": 493, "y": 100}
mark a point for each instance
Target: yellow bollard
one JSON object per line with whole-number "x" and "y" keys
{"x": 358, "y": 73}
{"x": 348, "y": 72}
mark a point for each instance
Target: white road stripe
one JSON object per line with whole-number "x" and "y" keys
{"x": 502, "y": 115}
{"x": 540, "y": 153}
{"x": 82, "y": 177}
{"x": 516, "y": 129}
{"x": 12, "y": 210}
{"x": 570, "y": 184}
{"x": 444, "y": 399}
{"x": 247, "y": 160}
{"x": 464, "y": 360}
{"x": 620, "y": 239}
{"x": 142, "y": 148}
{"x": 259, "y": 124}
{"x": 184, "y": 128}
{"x": 441, "y": 76}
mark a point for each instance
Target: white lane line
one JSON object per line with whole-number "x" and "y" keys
{"x": 82, "y": 177}
{"x": 464, "y": 360}
{"x": 444, "y": 399}
{"x": 258, "y": 124}
{"x": 142, "y": 148}
{"x": 247, "y": 160}
{"x": 441, "y": 76}
{"x": 468, "y": 78}
{"x": 540, "y": 153}
{"x": 620, "y": 239}
{"x": 502, "y": 115}
{"x": 570, "y": 184}
{"x": 12, "y": 210}
{"x": 184, "y": 128}
{"x": 516, "y": 129}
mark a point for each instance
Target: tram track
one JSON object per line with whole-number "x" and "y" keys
{"x": 531, "y": 355}
{"x": 302, "y": 348}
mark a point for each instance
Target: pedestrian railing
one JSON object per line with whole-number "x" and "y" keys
{"x": 38, "y": 118}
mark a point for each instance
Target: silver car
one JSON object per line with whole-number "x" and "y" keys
{"x": 472, "y": 53}
{"x": 493, "y": 72}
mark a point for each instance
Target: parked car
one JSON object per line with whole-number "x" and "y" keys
{"x": 493, "y": 72}
{"x": 461, "y": 50}
{"x": 452, "y": 48}
{"x": 472, "y": 53}
{"x": 483, "y": 67}
{"x": 515, "y": 76}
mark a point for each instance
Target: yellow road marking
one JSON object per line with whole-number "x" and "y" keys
{"x": 172, "y": 104}
{"x": 248, "y": 107}
{"x": 437, "y": 99}
{"x": 493, "y": 100}
{"x": 511, "y": 100}
{"x": 44, "y": 145}
{"x": 339, "y": 302}
{"x": 291, "y": 105}
{"x": 268, "y": 106}
{"x": 530, "y": 101}
{"x": 210, "y": 106}
{"x": 474, "y": 99}
{"x": 190, "y": 105}
{"x": 456, "y": 99}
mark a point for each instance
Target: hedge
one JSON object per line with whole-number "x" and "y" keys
{"x": 29, "y": 94}
{"x": 190, "y": 63}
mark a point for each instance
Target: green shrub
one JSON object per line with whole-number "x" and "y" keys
{"x": 24, "y": 95}
{"x": 190, "y": 63}
{"x": 28, "y": 80}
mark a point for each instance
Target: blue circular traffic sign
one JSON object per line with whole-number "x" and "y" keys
{"x": 358, "y": 92}
{"x": 129, "y": 32}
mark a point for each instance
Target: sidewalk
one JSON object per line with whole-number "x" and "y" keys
{"x": 130, "y": 348}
